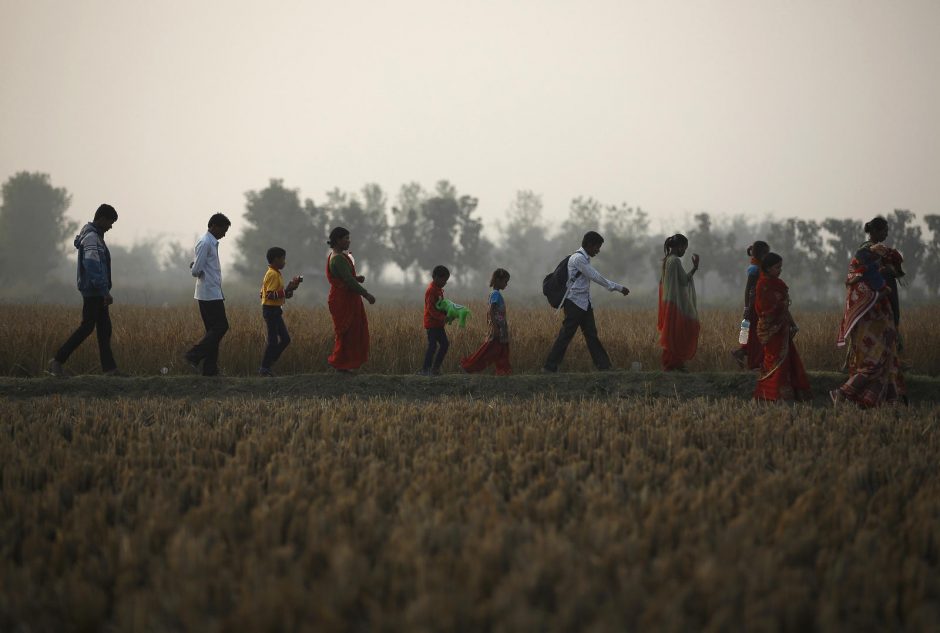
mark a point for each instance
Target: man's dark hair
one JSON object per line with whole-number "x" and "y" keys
{"x": 274, "y": 252}
{"x": 592, "y": 238}
{"x": 106, "y": 211}
{"x": 219, "y": 219}
{"x": 440, "y": 271}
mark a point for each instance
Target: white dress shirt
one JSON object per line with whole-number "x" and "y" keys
{"x": 579, "y": 288}
{"x": 207, "y": 270}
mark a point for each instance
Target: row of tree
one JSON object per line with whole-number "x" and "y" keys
{"x": 426, "y": 229}
{"x": 400, "y": 242}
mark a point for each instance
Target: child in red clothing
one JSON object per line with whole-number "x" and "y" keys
{"x": 495, "y": 349}
{"x": 434, "y": 321}
{"x": 750, "y": 355}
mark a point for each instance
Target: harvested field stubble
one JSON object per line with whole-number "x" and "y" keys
{"x": 457, "y": 513}
{"x": 147, "y": 339}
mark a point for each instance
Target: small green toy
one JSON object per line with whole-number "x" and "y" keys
{"x": 454, "y": 311}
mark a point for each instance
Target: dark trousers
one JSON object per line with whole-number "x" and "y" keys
{"x": 207, "y": 349}
{"x": 437, "y": 341}
{"x": 95, "y": 316}
{"x": 278, "y": 338}
{"x": 576, "y": 318}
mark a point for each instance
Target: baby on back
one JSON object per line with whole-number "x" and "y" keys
{"x": 869, "y": 266}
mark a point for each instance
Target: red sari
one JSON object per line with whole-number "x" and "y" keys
{"x": 782, "y": 374}
{"x": 350, "y": 324}
{"x": 868, "y": 324}
{"x": 677, "y": 320}
{"x": 492, "y": 352}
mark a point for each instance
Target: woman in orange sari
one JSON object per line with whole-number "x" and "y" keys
{"x": 678, "y": 316}
{"x": 782, "y": 376}
{"x": 350, "y": 324}
{"x": 870, "y": 325}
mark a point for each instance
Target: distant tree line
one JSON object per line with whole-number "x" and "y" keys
{"x": 401, "y": 240}
{"x": 421, "y": 230}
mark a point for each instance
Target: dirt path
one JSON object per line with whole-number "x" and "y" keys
{"x": 921, "y": 389}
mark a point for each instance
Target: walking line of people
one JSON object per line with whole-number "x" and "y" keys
{"x": 869, "y": 328}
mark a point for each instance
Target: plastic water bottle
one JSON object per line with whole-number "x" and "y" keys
{"x": 745, "y": 331}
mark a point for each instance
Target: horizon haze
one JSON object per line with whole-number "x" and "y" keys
{"x": 172, "y": 111}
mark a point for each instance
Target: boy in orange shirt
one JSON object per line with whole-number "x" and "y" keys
{"x": 434, "y": 321}
{"x": 274, "y": 295}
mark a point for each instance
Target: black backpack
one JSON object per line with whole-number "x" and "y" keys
{"x": 555, "y": 284}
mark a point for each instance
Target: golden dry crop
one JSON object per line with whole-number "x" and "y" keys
{"x": 247, "y": 512}
{"x": 147, "y": 339}
{"x": 608, "y": 501}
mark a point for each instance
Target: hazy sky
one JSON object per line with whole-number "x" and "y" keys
{"x": 172, "y": 110}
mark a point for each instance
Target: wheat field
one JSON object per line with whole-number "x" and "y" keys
{"x": 148, "y": 339}
{"x": 450, "y": 514}
{"x": 387, "y": 502}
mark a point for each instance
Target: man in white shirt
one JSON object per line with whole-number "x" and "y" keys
{"x": 208, "y": 273}
{"x": 577, "y": 305}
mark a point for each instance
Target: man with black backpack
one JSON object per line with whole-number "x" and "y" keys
{"x": 575, "y": 274}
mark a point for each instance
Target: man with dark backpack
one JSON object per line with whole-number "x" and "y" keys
{"x": 576, "y": 302}
{"x": 555, "y": 284}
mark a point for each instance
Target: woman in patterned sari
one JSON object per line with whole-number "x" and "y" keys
{"x": 869, "y": 324}
{"x": 350, "y": 325}
{"x": 678, "y": 316}
{"x": 782, "y": 374}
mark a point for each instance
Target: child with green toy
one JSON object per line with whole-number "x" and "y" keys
{"x": 434, "y": 320}
{"x": 495, "y": 349}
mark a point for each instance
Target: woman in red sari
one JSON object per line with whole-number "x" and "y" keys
{"x": 782, "y": 376}
{"x": 350, "y": 324}
{"x": 870, "y": 324}
{"x": 678, "y": 316}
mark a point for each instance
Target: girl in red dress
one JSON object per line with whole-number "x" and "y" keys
{"x": 495, "y": 349}
{"x": 751, "y": 354}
